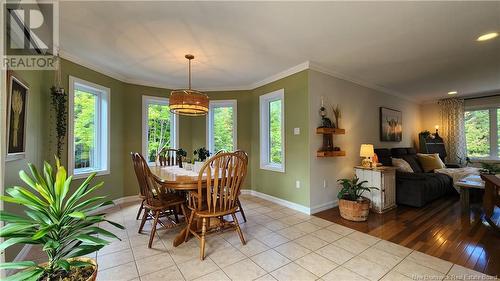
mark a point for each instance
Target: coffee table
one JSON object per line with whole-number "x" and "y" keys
{"x": 466, "y": 184}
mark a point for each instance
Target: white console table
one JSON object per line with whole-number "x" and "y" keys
{"x": 383, "y": 178}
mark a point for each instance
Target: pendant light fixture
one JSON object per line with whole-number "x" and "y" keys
{"x": 188, "y": 101}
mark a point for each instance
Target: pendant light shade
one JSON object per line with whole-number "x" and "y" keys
{"x": 188, "y": 102}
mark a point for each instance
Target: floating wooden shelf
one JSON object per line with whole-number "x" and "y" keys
{"x": 333, "y": 131}
{"x": 330, "y": 153}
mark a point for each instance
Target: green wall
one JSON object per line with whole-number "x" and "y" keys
{"x": 277, "y": 184}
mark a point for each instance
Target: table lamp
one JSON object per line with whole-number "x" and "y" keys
{"x": 366, "y": 151}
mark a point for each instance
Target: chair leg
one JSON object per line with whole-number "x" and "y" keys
{"x": 190, "y": 221}
{"x": 153, "y": 230}
{"x": 238, "y": 229}
{"x": 203, "y": 231}
{"x": 144, "y": 218}
{"x": 241, "y": 210}
{"x": 174, "y": 210}
{"x": 140, "y": 210}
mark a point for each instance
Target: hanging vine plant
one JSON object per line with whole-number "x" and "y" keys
{"x": 59, "y": 99}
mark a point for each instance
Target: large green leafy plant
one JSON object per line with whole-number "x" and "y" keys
{"x": 60, "y": 220}
{"x": 352, "y": 189}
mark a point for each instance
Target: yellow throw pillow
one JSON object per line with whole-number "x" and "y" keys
{"x": 430, "y": 162}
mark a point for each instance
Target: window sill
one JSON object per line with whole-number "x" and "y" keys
{"x": 85, "y": 174}
{"x": 274, "y": 168}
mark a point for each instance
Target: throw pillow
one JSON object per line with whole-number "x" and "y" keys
{"x": 401, "y": 165}
{"x": 430, "y": 162}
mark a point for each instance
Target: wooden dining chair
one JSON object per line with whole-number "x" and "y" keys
{"x": 243, "y": 154}
{"x": 167, "y": 157}
{"x": 224, "y": 174}
{"x": 142, "y": 186}
{"x": 158, "y": 199}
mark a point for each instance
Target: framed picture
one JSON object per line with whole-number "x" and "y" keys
{"x": 391, "y": 124}
{"x": 17, "y": 102}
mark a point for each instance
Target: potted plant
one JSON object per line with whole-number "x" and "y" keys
{"x": 63, "y": 221}
{"x": 352, "y": 205}
{"x": 202, "y": 154}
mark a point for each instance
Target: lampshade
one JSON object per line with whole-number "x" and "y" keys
{"x": 366, "y": 150}
{"x": 188, "y": 101}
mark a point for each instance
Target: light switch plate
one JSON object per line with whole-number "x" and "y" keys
{"x": 296, "y": 131}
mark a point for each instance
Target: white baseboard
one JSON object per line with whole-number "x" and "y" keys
{"x": 126, "y": 199}
{"x": 324, "y": 206}
{"x": 279, "y": 201}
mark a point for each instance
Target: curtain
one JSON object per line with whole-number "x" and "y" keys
{"x": 453, "y": 129}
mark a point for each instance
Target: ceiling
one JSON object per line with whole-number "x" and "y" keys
{"x": 420, "y": 50}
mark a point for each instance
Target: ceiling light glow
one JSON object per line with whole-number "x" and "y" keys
{"x": 487, "y": 36}
{"x": 452, "y": 93}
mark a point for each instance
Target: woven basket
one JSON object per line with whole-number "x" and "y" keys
{"x": 354, "y": 210}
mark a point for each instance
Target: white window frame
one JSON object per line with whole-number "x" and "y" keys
{"x": 493, "y": 139}
{"x": 264, "y": 102}
{"x": 210, "y": 122}
{"x": 103, "y": 127}
{"x": 174, "y": 125}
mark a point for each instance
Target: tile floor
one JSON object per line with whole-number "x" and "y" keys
{"x": 282, "y": 244}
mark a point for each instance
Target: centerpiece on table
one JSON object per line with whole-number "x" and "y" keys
{"x": 64, "y": 220}
{"x": 201, "y": 155}
{"x": 352, "y": 205}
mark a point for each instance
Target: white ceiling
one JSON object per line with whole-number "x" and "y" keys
{"x": 420, "y": 50}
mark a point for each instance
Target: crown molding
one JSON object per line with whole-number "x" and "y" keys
{"x": 72, "y": 58}
{"x": 317, "y": 67}
{"x": 285, "y": 73}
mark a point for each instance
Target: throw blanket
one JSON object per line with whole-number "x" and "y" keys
{"x": 458, "y": 173}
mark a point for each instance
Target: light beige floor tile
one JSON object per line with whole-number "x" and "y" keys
{"x": 291, "y": 233}
{"x": 316, "y": 264}
{"x": 115, "y": 246}
{"x": 320, "y": 222}
{"x": 291, "y": 220}
{"x": 184, "y": 253}
{"x": 430, "y": 261}
{"x": 122, "y": 272}
{"x": 292, "y": 272}
{"x": 218, "y": 275}
{"x": 327, "y": 235}
{"x": 342, "y": 274}
{"x": 143, "y": 251}
{"x": 195, "y": 268}
{"x": 366, "y": 268}
{"x": 252, "y": 248}
{"x": 153, "y": 263}
{"x": 276, "y": 225}
{"x": 244, "y": 270}
{"x": 267, "y": 277}
{"x": 415, "y": 270}
{"x": 170, "y": 273}
{"x": 311, "y": 242}
{"x": 458, "y": 272}
{"x": 380, "y": 257}
{"x": 114, "y": 259}
{"x": 335, "y": 254}
{"x": 340, "y": 229}
{"x": 270, "y": 260}
{"x": 351, "y": 245}
{"x": 215, "y": 243}
{"x": 227, "y": 256}
{"x": 307, "y": 227}
{"x": 273, "y": 239}
{"x": 277, "y": 215}
{"x": 303, "y": 216}
{"x": 393, "y": 248}
{"x": 292, "y": 250}
{"x": 258, "y": 231}
{"x": 395, "y": 276}
{"x": 363, "y": 237}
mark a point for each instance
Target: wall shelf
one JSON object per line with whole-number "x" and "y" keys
{"x": 333, "y": 131}
{"x": 330, "y": 153}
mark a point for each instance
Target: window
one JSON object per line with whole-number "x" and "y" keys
{"x": 159, "y": 126}
{"x": 88, "y": 128}
{"x": 272, "y": 131}
{"x": 482, "y": 133}
{"x": 222, "y": 126}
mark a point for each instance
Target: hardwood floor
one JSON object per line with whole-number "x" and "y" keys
{"x": 438, "y": 229}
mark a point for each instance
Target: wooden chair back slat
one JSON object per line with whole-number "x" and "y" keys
{"x": 141, "y": 177}
{"x": 224, "y": 176}
{"x": 167, "y": 157}
{"x": 153, "y": 190}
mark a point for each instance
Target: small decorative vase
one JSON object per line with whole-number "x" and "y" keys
{"x": 197, "y": 166}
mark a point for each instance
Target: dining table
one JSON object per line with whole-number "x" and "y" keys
{"x": 179, "y": 179}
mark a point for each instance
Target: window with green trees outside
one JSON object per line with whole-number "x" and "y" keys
{"x": 482, "y": 133}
